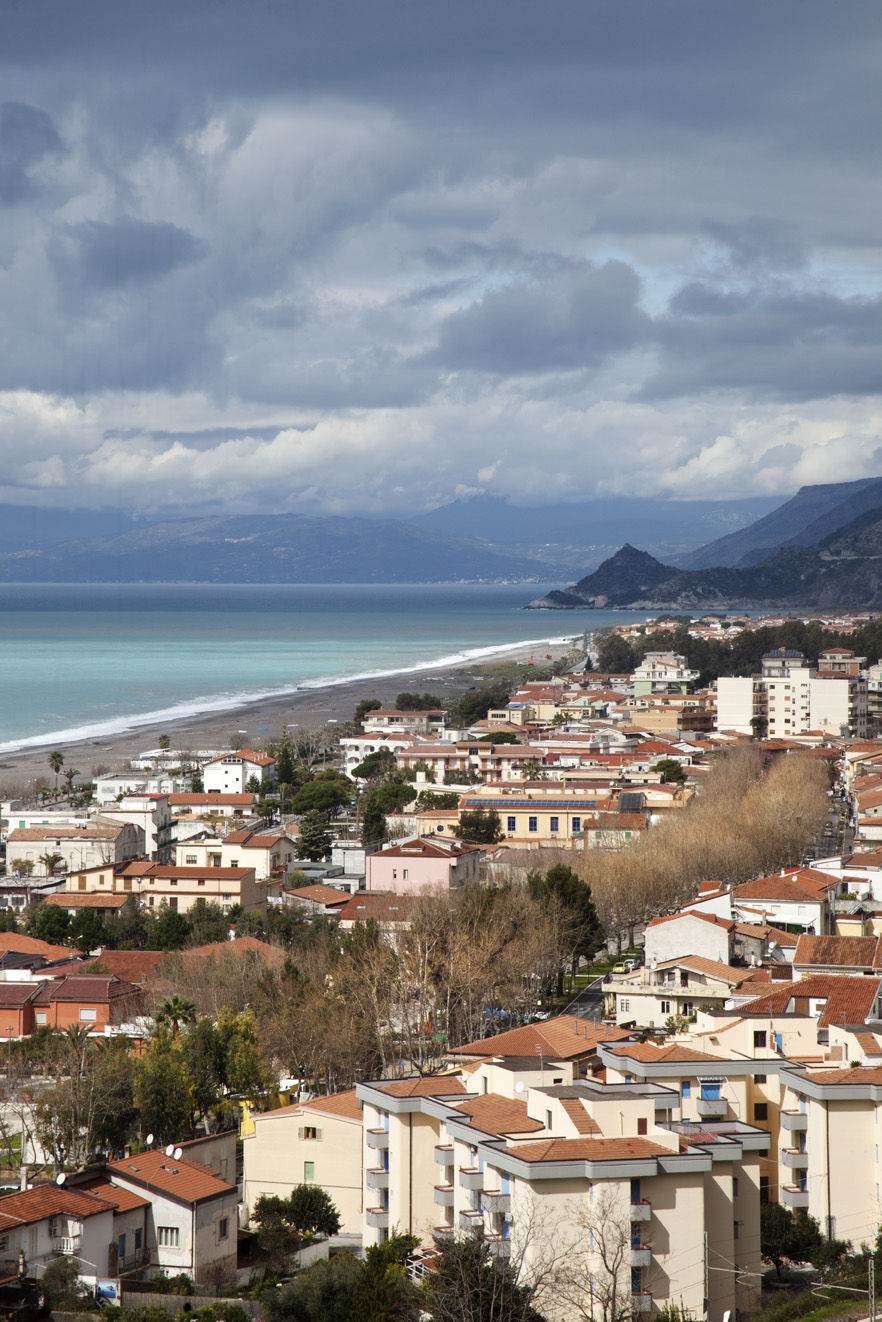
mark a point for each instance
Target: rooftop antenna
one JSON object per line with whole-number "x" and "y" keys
{"x": 178, "y": 1153}
{"x": 170, "y": 1149}
{"x": 59, "y": 1179}
{"x": 149, "y": 1140}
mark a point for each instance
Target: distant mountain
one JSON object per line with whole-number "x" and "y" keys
{"x": 274, "y": 549}
{"x": 27, "y": 526}
{"x": 805, "y": 520}
{"x": 607, "y": 521}
{"x": 628, "y": 573}
{"x": 843, "y": 571}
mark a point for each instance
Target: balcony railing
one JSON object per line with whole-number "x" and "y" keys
{"x": 493, "y": 1201}
{"x": 444, "y": 1195}
{"x": 378, "y": 1217}
{"x": 470, "y": 1177}
{"x": 642, "y": 1302}
{"x": 795, "y": 1159}
{"x": 711, "y": 1106}
{"x": 641, "y": 1211}
{"x": 499, "y": 1247}
{"x": 377, "y": 1138}
{"x": 377, "y": 1179}
{"x": 443, "y": 1232}
{"x": 641, "y": 1255}
{"x": 791, "y": 1196}
{"x": 471, "y": 1220}
{"x": 66, "y": 1243}
{"x": 794, "y": 1122}
{"x": 444, "y": 1154}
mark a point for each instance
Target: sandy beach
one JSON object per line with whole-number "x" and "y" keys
{"x": 254, "y": 724}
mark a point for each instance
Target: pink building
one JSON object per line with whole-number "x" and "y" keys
{"x": 413, "y": 866}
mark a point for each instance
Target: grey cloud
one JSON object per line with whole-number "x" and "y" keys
{"x": 576, "y": 320}
{"x": 759, "y": 242}
{"x": 27, "y": 136}
{"x": 778, "y": 344}
{"x": 99, "y": 255}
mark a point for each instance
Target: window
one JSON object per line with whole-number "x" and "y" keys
{"x": 665, "y": 1007}
{"x": 201, "y": 881}
{"x": 555, "y": 824}
{"x": 191, "y": 858}
{"x": 533, "y": 824}
{"x": 223, "y": 1227}
{"x": 642, "y": 1125}
{"x": 548, "y": 1120}
{"x": 512, "y": 824}
{"x": 759, "y": 1039}
{"x": 710, "y": 1091}
{"x": 686, "y": 1088}
{"x": 169, "y": 1237}
{"x": 173, "y": 881}
{"x": 308, "y": 1172}
{"x": 87, "y": 1016}
{"x": 310, "y": 1131}
{"x": 624, "y": 1005}
{"x": 759, "y": 1078}
{"x": 760, "y": 1111}
{"x": 137, "y": 1239}
{"x": 404, "y": 874}
{"x": 40, "y": 1016}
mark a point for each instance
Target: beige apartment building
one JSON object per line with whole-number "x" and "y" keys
{"x": 268, "y": 850}
{"x": 78, "y": 844}
{"x": 549, "y": 1174}
{"x": 315, "y": 1142}
{"x": 154, "y": 884}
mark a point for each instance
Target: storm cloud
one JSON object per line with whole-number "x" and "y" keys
{"x": 348, "y": 257}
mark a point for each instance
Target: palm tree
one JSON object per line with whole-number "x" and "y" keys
{"x": 70, "y": 776}
{"x": 174, "y": 1011}
{"x": 51, "y": 862}
{"x": 56, "y": 762}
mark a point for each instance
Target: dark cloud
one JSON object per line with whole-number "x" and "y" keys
{"x": 758, "y": 242}
{"x": 575, "y": 320}
{"x": 781, "y": 344}
{"x": 100, "y": 256}
{"x": 27, "y": 137}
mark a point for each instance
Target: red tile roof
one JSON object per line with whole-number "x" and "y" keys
{"x": 344, "y": 1104}
{"x": 45, "y": 1200}
{"x": 493, "y": 1114}
{"x": 183, "y": 1180}
{"x": 433, "y": 1085}
{"x": 87, "y": 988}
{"x": 321, "y": 894}
{"x": 847, "y": 1000}
{"x": 129, "y": 965}
{"x": 565, "y": 1037}
{"x": 588, "y": 1149}
{"x": 845, "y": 951}
{"x": 29, "y": 945}
{"x": 124, "y": 1200}
{"x": 674, "y": 1054}
{"x": 244, "y": 755}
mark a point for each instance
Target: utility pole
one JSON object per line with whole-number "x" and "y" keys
{"x": 871, "y": 1287}
{"x": 706, "y": 1274}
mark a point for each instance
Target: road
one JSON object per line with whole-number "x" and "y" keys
{"x": 589, "y": 1003}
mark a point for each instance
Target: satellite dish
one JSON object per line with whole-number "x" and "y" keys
{"x": 178, "y": 1153}
{"x": 170, "y": 1149}
{"x": 59, "y": 1179}
{"x": 519, "y": 1087}
{"x": 149, "y": 1139}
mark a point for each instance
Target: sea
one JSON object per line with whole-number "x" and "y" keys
{"x": 91, "y": 661}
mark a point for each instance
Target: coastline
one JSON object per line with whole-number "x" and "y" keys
{"x": 255, "y": 721}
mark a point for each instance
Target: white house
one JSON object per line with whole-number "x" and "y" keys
{"x": 231, "y": 772}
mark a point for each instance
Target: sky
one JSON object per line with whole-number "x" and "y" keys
{"x": 308, "y": 255}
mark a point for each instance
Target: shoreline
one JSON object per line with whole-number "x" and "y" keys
{"x": 262, "y": 718}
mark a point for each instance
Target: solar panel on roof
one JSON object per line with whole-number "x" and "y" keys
{"x": 631, "y": 801}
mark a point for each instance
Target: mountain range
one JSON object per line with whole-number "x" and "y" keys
{"x": 475, "y": 538}
{"x": 841, "y": 569}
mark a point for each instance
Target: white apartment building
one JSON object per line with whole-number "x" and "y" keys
{"x": 549, "y": 1174}
{"x": 231, "y": 772}
{"x": 791, "y": 697}
{"x": 662, "y": 672}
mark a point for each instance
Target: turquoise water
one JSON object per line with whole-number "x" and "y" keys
{"x": 93, "y": 660}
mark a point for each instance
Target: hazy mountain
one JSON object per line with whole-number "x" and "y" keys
{"x": 602, "y": 522}
{"x": 843, "y": 571}
{"x": 27, "y": 526}
{"x": 275, "y": 549}
{"x": 802, "y": 521}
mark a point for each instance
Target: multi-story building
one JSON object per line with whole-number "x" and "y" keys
{"x": 791, "y": 697}
{"x": 76, "y": 846}
{"x": 551, "y": 1175}
{"x": 230, "y": 773}
{"x": 154, "y": 884}
{"x": 662, "y": 672}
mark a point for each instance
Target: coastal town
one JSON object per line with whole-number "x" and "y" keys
{"x": 578, "y": 970}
